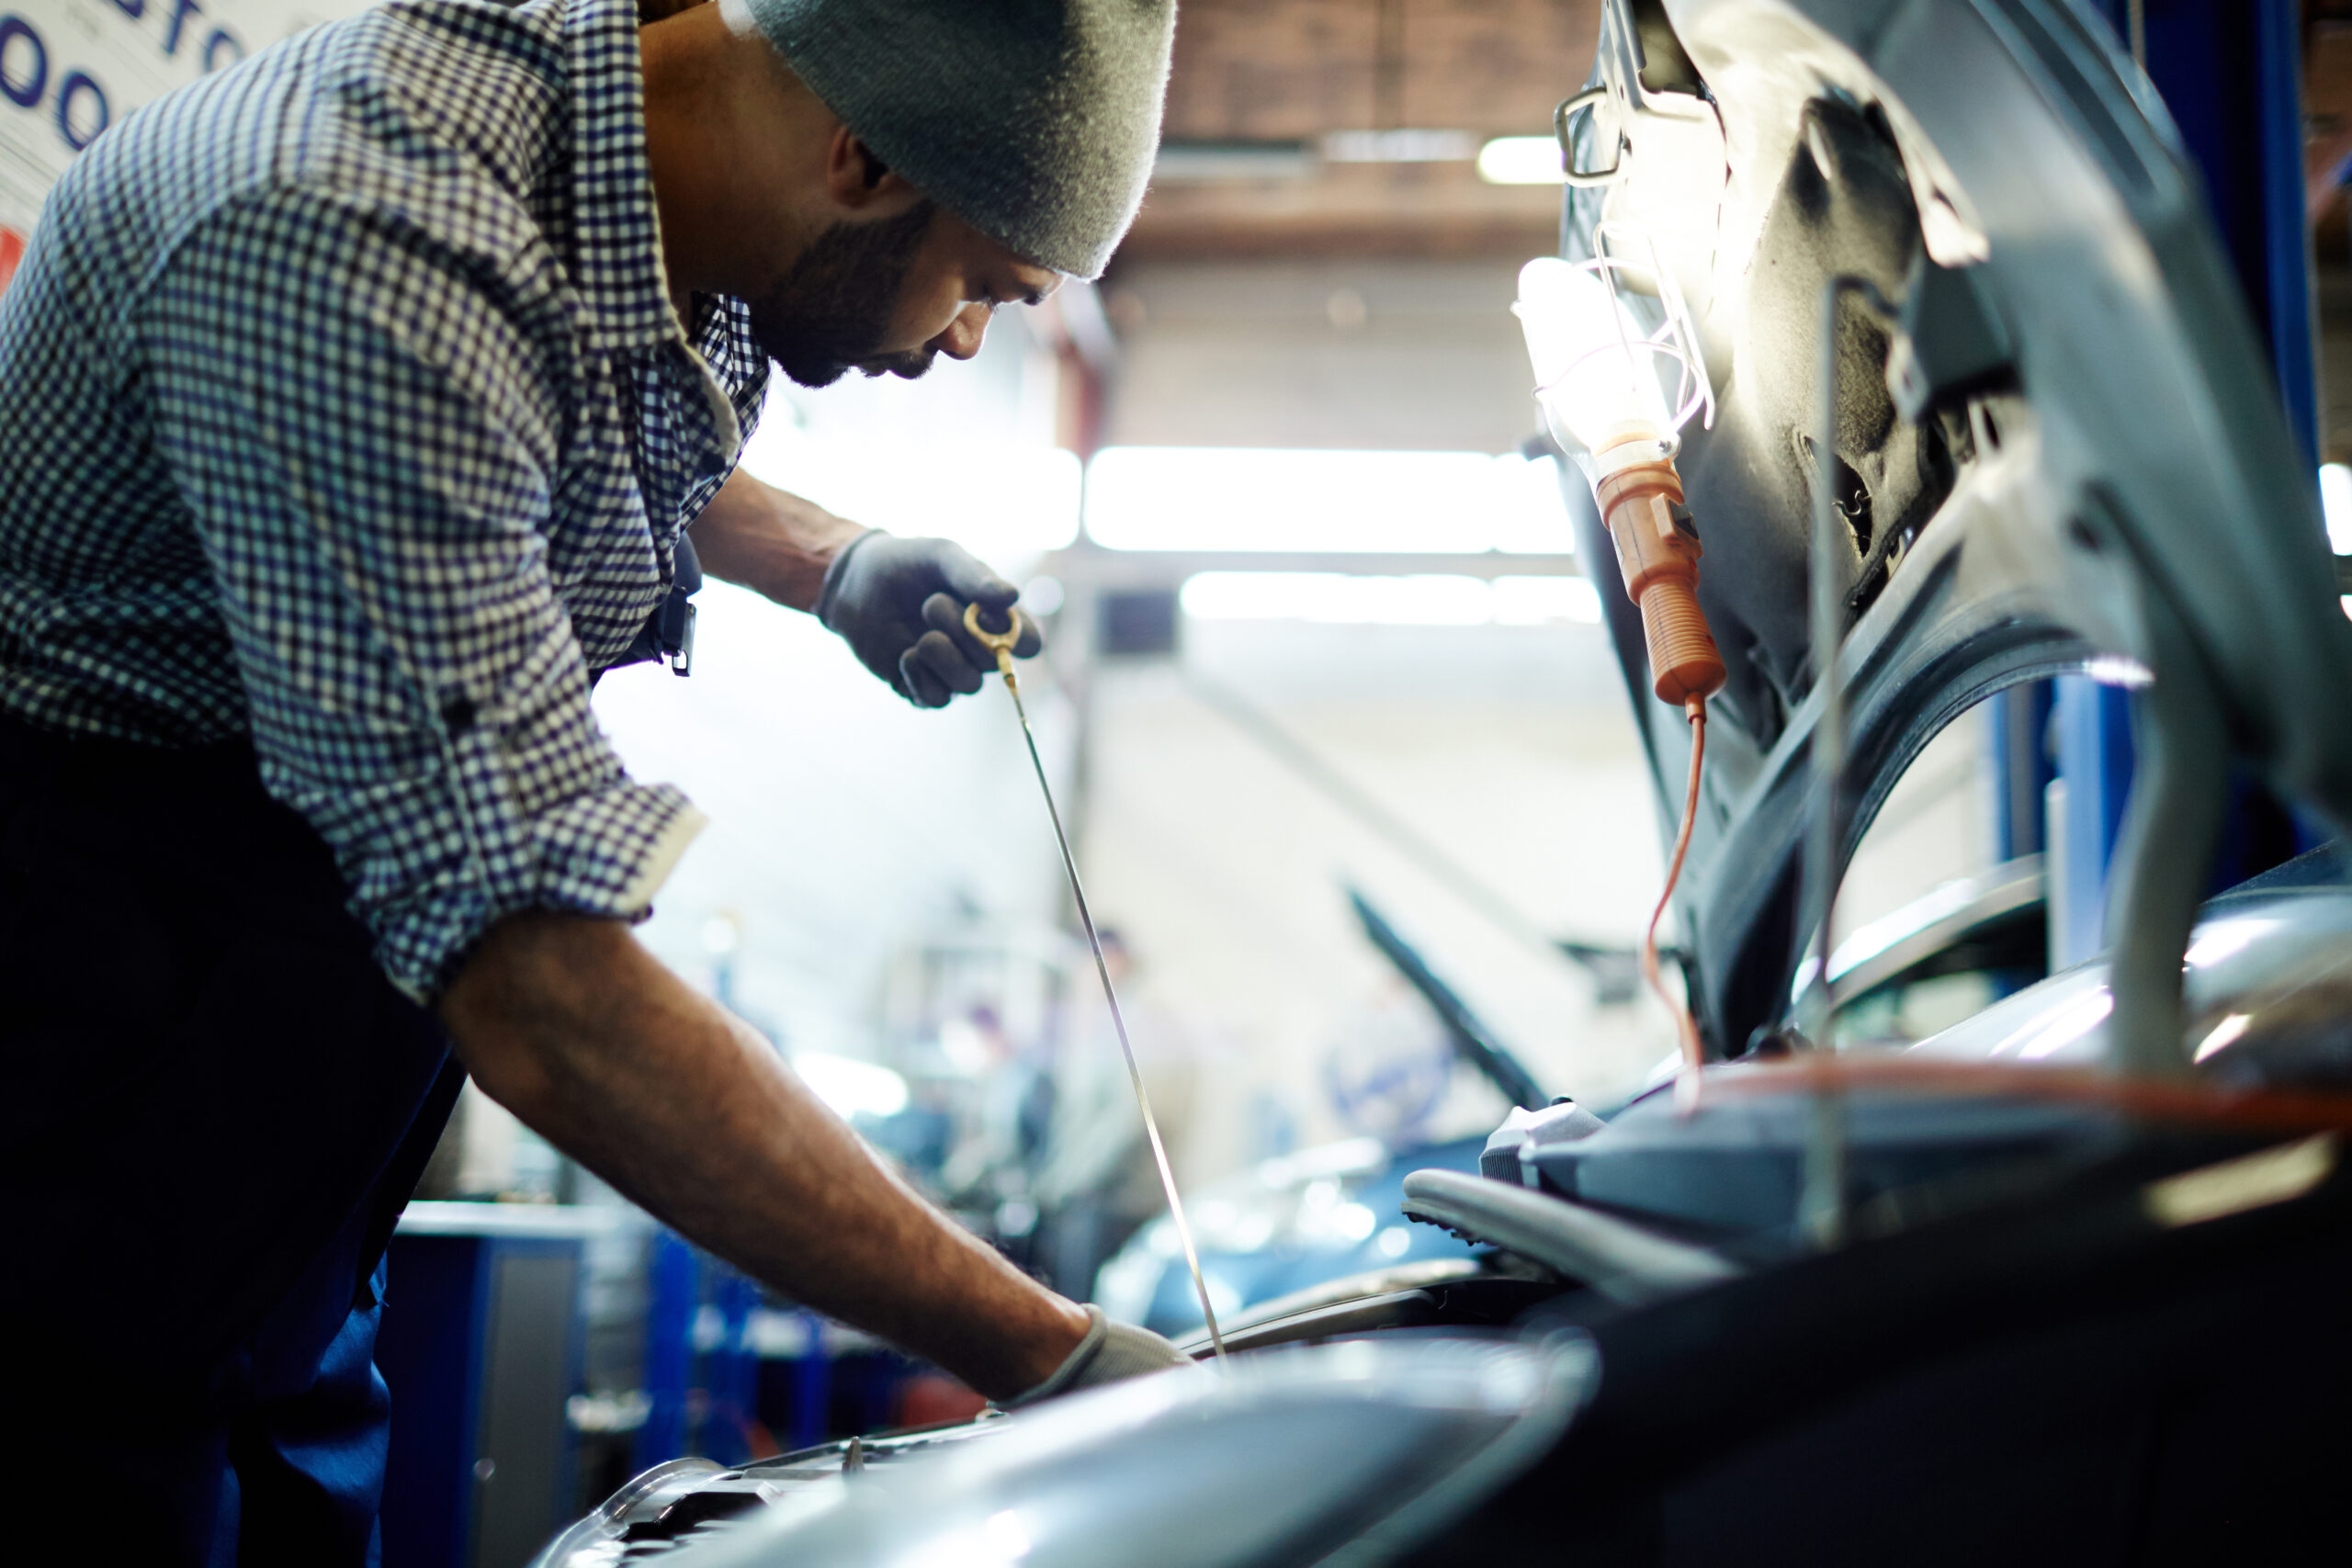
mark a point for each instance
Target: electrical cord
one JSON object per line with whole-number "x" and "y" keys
{"x": 1686, "y": 1027}
{"x": 2203, "y": 1104}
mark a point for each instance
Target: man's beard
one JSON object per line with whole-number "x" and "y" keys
{"x": 830, "y": 314}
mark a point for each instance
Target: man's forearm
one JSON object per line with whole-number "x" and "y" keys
{"x": 770, "y": 540}
{"x": 573, "y": 1026}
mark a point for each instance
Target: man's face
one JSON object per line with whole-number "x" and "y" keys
{"x": 889, "y": 295}
{"x": 833, "y": 310}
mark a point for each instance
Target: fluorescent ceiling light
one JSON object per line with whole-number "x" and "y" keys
{"x": 1238, "y": 497}
{"x": 1334, "y": 598}
{"x": 1400, "y": 146}
{"x": 1532, "y": 601}
{"x": 2335, "y": 502}
{"x": 1187, "y": 161}
{"x": 1522, "y": 161}
{"x": 1331, "y": 598}
{"x": 849, "y": 1087}
{"x": 996, "y": 501}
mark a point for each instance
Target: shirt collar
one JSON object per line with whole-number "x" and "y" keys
{"x": 616, "y": 226}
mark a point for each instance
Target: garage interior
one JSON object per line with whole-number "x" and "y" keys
{"x": 1344, "y": 710}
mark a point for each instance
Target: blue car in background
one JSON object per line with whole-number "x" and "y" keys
{"x": 1274, "y": 1234}
{"x": 1294, "y": 1223}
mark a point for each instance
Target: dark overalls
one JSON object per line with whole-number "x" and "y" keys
{"x": 220, "y": 1106}
{"x": 249, "y": 483}
{"x": 217, "y": 1106}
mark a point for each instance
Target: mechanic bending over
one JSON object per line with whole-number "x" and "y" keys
{"x": 353, "y": 405}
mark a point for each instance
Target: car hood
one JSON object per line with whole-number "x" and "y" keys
{"x": 2068, "y": 455}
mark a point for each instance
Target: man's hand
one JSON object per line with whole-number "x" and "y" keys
{"x": 898, "y": 603}
{"x": 569, "y": 1024}
{"x": 1111, "y": 1352}
{"x": 899, "y": 606}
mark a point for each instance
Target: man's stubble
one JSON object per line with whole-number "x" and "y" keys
{"x": 831, "y": 311}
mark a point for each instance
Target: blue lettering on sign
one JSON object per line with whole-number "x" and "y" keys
{"x": 77, "y": 84}
{"x": 83, "y": 110}
{"x": 26, "y": 91}
{"x": 181, "y": 11}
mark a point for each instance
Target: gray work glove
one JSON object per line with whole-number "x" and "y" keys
{"x": 899, "y": 606}
{"x": 1109, "y": 1352}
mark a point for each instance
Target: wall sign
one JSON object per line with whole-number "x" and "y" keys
{"x": 71, "y": 68}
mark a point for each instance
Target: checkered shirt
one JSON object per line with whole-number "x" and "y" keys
{"x": 342, "y": 405}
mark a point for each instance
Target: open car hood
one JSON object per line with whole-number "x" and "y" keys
{"x": 2067, "y": 449}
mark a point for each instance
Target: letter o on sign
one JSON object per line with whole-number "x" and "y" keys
{"x": 221, "y": 43}
{"x": 23, "y": 90}
{"x": 78, "y": 97}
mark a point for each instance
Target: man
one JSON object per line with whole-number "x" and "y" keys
{"x": 353, "y": 403}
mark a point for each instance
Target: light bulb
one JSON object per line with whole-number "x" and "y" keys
{"x": 1596, "y": 370}
{"x": 1597, "y": 378}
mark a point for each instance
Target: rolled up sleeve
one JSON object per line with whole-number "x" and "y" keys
{"x": 367, "y": 428}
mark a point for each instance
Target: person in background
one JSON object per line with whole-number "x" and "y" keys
{"x": 1009, "y": 1114}
{"x": 1097, "y": 1183}
{"x": 360, "y": 405}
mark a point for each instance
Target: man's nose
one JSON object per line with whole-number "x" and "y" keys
{"x": 962, "y": 338}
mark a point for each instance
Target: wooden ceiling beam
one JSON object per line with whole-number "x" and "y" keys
{"x": 1298, "y": 70}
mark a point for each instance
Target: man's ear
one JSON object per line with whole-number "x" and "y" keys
{"x": 859, "y": 181}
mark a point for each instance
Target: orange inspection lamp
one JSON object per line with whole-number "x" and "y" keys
{"x": 1657, "y": 553}
{"x": 1602, "y": 379}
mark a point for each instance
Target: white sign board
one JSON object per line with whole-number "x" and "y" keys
{"x": 71, "y": 68}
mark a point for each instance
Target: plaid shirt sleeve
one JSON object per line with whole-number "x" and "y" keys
{"x": 364, "y": 426}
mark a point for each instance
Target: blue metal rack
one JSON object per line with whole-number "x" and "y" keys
{"x": 481, "y": 1345}
{"x": 2230, "y": 71}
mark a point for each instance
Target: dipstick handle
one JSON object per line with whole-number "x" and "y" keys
{"x": 999, "y": 643}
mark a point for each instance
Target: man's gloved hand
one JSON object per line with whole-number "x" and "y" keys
{"x": 1109, "y": 1352}
{"x": 899, "y": 606}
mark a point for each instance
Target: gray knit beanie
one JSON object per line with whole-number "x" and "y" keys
{"x": 1035, "y": 121}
